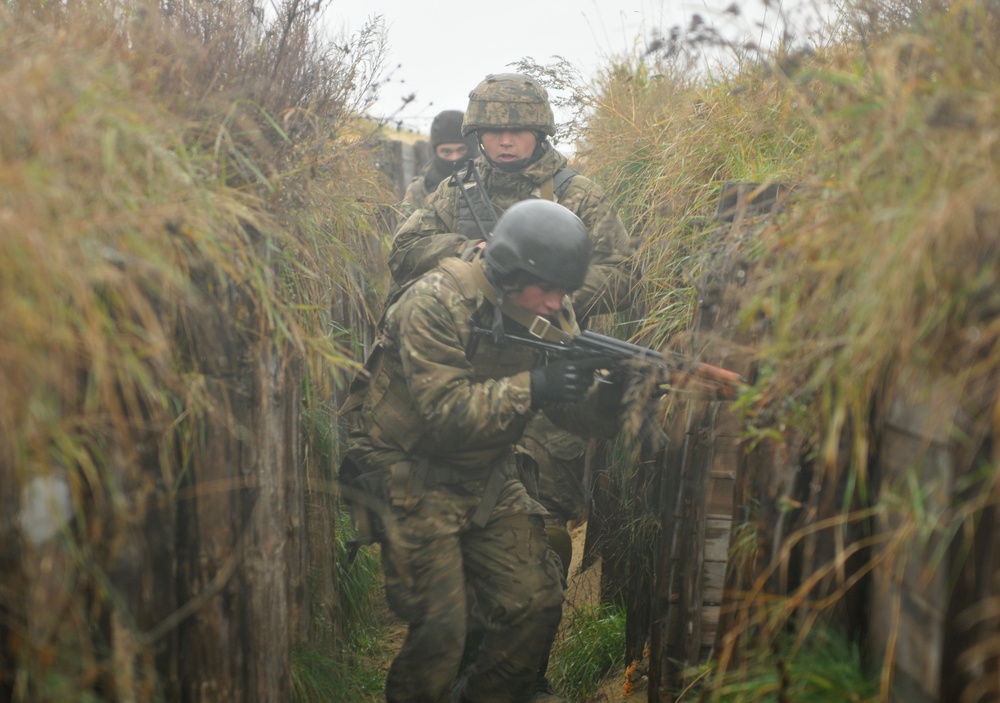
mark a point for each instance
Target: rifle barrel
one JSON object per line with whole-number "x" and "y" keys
{"x": 588, "y": 344}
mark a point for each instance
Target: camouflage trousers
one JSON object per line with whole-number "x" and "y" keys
{"x": 559, "y": 458}
{"x": 438, "y": 566}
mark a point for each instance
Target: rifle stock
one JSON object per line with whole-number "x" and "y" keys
{"x": 680, "y": 370}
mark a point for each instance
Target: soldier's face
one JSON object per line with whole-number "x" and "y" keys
{"x": 542, "y": 299}
{"x": 451, "y": 151}
{"x": 508, "y": 145}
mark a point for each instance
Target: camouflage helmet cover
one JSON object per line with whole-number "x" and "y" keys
{"x": 509, "y": 101}
{"x": 543, "y": 239}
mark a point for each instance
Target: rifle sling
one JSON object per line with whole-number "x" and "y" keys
{"x": 554, "y": 188}
{"x": 536, "y": 325}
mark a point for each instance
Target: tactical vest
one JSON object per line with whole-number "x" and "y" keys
{"x": 382, "y": 388}
{"x": 392, "y": 421}
{"x": 552, "y": 189}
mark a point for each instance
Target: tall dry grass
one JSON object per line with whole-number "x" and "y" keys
{"x": 882, "y": 291}
{"x": 878, "y": 282}
{"x": 183, "y": 187}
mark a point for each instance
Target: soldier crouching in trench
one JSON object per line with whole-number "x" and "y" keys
{"x": 438, "y": 413}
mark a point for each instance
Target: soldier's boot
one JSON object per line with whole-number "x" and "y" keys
{"x": 546, "y": 696}
{"x": 544, "y": 692}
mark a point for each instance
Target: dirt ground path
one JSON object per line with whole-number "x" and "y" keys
{"x": 584, "y": 588}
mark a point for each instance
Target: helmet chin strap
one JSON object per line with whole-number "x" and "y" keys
{"x": 520, "y": 163}
{"x": 561, "y": 332}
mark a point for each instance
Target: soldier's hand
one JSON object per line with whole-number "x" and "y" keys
{"x": 565, "y": 381}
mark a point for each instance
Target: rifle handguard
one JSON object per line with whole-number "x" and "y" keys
{"x": 682, "y": 372}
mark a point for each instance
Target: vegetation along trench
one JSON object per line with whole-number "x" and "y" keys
{"x": 196, "y": 217}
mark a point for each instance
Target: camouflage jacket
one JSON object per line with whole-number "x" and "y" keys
{"x": 421, "y": 186}
{"x": 437, "y": 391}
{"x": 430, "y": 234}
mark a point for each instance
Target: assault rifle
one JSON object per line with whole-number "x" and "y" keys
{"x": 679, "y": 370}
{"x": 466, "y": 178}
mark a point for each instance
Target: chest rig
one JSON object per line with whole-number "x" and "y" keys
{"x": 477, "y": 215}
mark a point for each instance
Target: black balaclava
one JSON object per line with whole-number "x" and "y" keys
{"x": 447, "y": 129}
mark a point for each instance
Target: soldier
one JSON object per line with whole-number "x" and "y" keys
{"x": 511, "y": 118}
{"x": 451, "y": 150}
{"x": 440, "y": 413}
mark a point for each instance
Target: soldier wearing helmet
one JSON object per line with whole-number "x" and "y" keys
{"x": 439, "y": 412}
{"x": 451, "y": 149}
{"x": 510, "y": 116}
{"x": 512, "y": 119}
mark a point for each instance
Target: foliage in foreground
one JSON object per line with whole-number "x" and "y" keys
{"x": 350, "y": 664}
{"x": 343, "y": 659}
{"x": 594, "y": 644}
{"x": 877, "y": 283}
{"x": 187, "y": 217}
{"x": 357, "y": 674}
{"x": 822, "y": 668}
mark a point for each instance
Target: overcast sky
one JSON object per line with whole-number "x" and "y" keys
{"x": 443, "y": 48}
{"x": 440, "y": 49}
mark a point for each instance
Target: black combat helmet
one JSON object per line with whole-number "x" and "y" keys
{"x": 540, "y": 238}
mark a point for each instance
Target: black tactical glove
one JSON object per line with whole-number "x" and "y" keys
{"x": 564, "y": 381}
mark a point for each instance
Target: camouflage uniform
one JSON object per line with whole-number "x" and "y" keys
{"x": 432, "y": 233}
{"x": 439, "y": 416}
{"x": 444, "y": 228}
{"x": 559, "y": 457}
{"x": 438, "y": 231}
{"x": 416, "y": 193}
{"x": 445, "y": 129}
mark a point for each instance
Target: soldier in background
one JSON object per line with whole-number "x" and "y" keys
{"x": 440, "y": 409}
{"x": 451, "y": 149}
{"x": 511, "y": 118}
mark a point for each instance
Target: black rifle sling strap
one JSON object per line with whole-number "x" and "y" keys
{"x": 476, "y": 214}
{"x": 475, "y": 211}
